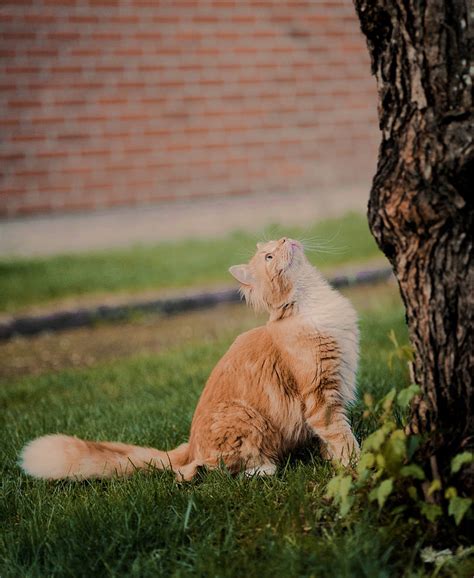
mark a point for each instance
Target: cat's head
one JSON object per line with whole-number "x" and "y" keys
{"x": 270, "y": 280}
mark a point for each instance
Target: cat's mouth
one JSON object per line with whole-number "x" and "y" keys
{"x": 295, "y": 245}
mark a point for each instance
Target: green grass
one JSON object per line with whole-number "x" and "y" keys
{"x": 149, "y": 525}
{"x": 25, "y": 282}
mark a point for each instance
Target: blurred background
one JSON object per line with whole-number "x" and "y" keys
{"x": 134, "y": 134}
{"x": 121, "y": 102}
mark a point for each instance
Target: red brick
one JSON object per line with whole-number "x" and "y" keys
{"x": 59, "y": 2}
{"x": 47, "y": 120}
{"x": 18, "y": 35}
{"x": 135, "y": 51}
{"x": 104, "y": 36}
{"x": 104, "y": 2}
{"x": 73, "y": 136}
{"x": 41, "y": 52}
{"x": 95, "y": 153}
{"x": 191, "y": 35}
{"x": 83, "y": 19}
{"x": 66, "y": 69}
{"x": 31, "y": 173}
{"x": 124, "y": 18}
{"x": 39, "y": 18}
{"x": 25, "y": 104}
{"x": 27, "y": 138}
{"x": 7, "y": 53}
{"x": 50, "y": 188}
{"x": 151, "y": 68}
{"x": 11, "y": 157}
{"x": 109, "y": 69}
{"x": 112, "y": 100}
{"x": 61, "y": 35}
{"x": 12, "y": 192}
{"x": 69, "y": 101}
{"x": 18, "y": 70}
{"x": 165, "y": 19}
{"x": 115, "y": 135}
{"x": 52, "y": 154}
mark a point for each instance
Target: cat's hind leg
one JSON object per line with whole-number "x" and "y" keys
{"x": 239, "y": 437}
{"x": 186, "y": 472}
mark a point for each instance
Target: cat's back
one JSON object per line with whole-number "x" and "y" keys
{"x": 252, "y": 344}
{"x": 253, "y": 374}
{"x": 251, "y": 358}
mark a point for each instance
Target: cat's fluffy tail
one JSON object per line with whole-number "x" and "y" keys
{"x": 55, "y": 457}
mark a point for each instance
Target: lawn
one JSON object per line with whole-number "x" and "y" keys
{"x": 26, "y": 282}
{"x": 149, "y": 525}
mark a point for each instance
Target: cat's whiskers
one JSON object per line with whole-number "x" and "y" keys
{"x": 323, "y": 245}
{"x": 323, "y": 240}
{"x": 270, "y": 233}
{"x": 332, "y": 251}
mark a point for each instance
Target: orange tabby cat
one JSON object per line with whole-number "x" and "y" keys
{"x": 275, "y": 387}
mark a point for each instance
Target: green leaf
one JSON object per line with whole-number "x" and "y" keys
{"x": 366, "y": 462}
{"x": 413, "y": 443}
{"x": 434, "y": 487}
{"x": 450, "y": 493}
{"x": 395, "y": 450}
{"x": 380, "y": 461}
{"x": 458, "y": 461}
{"x": 405, "y": 396}
{"x": 408, "y": 352}
{"x": 374, "y": 440}
{"x": 339, "y": 487}
{"x": 458, "y": 508}
{"x": 345, "y": 486}
{"x": 381, "y": 493}
{"x": 412, "y": 471}
{"x": 332, "y": 489}
{"x": 413, "y": 493}
{"x": 346, "y": 505}
{"x": 368, "y": 400}
{"x": 388, "y": 400}
{"x": 393, "y": 338}
{"x": 431, "y": 511}
{"x": 377, "y": 438}
{"x": 385, "y": 489}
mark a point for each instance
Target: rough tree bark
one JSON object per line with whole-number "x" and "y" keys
{"x": 421, "y": 202}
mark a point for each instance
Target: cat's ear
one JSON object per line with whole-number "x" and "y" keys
{"x": 242, "y": 274}
{"x": 260, "y": 246}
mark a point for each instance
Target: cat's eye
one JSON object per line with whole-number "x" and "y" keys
{"x": 268, "y": 257}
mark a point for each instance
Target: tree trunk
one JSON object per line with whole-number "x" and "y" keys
{"x": 421, "y": 202}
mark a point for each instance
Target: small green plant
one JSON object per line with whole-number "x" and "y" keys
{"x": 386, "y": 467}
{"x": 401, "y": 352}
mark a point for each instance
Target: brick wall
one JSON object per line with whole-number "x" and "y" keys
{"x": 110, "y": 102}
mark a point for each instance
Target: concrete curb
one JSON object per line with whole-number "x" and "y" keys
{"x": 62, "y": 320}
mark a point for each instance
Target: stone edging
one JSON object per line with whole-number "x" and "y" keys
{"x": 70, "y": 319}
